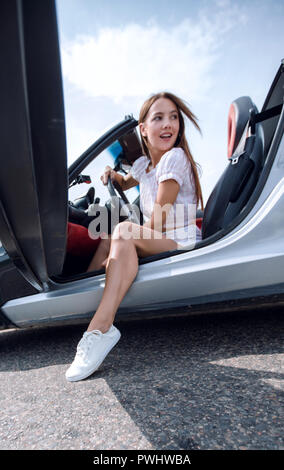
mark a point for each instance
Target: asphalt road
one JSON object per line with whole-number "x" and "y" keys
{"x": 206, "y": 382}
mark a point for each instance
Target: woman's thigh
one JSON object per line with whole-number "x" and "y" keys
{"x": 147, "y": 241}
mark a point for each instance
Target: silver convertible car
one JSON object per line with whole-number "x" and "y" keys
{"x": 46, "y": 209}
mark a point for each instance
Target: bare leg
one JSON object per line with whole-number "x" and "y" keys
{"x": 101, "y": 254}
{"x": 122, "y": 268}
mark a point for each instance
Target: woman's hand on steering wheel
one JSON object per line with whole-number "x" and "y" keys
{"x": 113, "y": 181}
{"x": 108, "y": 173}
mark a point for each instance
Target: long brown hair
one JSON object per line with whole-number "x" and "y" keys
{"x": 181, "y": 140}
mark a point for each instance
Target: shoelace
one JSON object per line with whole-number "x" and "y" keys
{"x": 87, "y": 341}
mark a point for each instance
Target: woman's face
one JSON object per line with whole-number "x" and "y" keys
{"x": 161, "y": 126}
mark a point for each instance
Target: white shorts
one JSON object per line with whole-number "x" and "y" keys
{"x": 185, "y": 236}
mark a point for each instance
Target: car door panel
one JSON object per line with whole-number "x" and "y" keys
{"x": 33, "y": 178}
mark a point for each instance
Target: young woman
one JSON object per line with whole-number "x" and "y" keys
{"x": 168, "y": 179}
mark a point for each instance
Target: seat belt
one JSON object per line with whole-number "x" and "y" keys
{"x": 263, "y": 115}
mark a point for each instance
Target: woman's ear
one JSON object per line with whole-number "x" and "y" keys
{"x": 142, "y": 128}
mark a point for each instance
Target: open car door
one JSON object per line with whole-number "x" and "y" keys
{"x": 33, "y": 173}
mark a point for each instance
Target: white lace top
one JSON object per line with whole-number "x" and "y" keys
{"x": 174, "y": 164}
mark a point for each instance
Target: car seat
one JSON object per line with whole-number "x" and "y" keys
{"x": 246, "y": 159}
{"x": 239, "y": 113}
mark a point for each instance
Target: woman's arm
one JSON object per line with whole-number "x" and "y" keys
{"x": 126, "y": 182}
{"x": 166, "y": 196}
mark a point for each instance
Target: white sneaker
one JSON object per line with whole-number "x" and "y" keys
{"x": 91, "y": 351}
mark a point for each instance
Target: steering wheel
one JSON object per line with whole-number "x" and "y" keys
{"x": 126, "y": 209}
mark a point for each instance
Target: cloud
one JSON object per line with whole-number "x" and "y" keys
{"x": 136, "y": 60}
{"x": 110, "y": 73}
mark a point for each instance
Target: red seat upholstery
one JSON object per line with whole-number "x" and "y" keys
{"x": 237, "y": 120}
{"x": 199, "y": 222}
{"x": 79, "y": 243}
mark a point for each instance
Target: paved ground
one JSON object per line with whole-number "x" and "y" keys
{"x": 208, "y": 382}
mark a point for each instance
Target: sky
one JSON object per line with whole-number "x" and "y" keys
{"x": 116, "y": 53}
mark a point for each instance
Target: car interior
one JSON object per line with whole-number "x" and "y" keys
{"x": 250, "y": 135}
